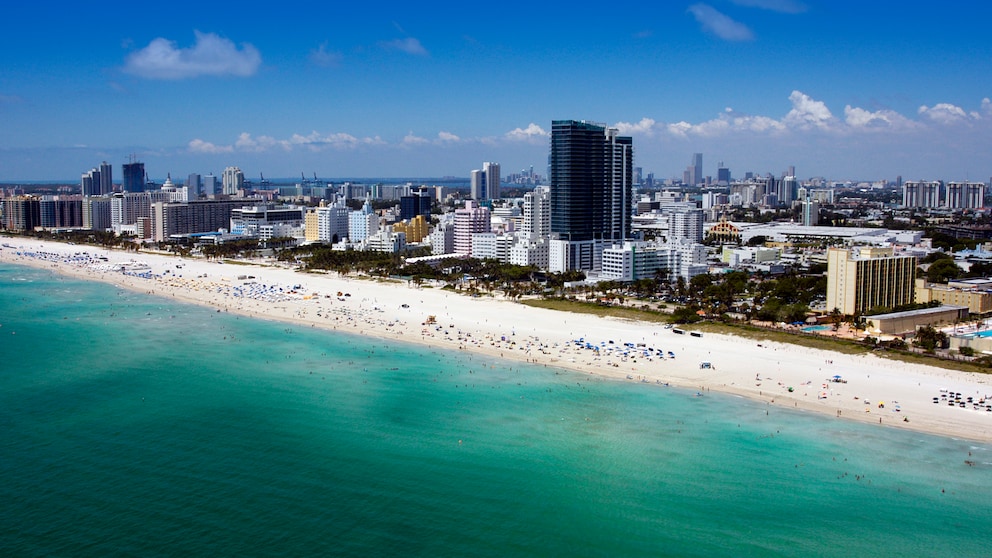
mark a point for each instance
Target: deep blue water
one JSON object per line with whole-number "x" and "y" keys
{"x": 132, "y": 425}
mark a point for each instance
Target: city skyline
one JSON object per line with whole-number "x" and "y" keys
{"x": 835, "y": 89}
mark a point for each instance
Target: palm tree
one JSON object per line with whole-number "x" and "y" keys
{"x": 836, "y": 317}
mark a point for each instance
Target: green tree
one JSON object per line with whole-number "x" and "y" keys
{"x": 980, "y": 269}
{"x": 935, "y": 257}
{"x": 686, "y": 315}
{"x": 942, "y": 271}
{"x": 930, "y": 339}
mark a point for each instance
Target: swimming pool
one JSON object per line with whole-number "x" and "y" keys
{"x": 827, "y": 328}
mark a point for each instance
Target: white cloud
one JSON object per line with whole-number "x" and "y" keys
{"x": 443, "y": 138}
{"x": 411, "y": 139}
{"x": 314, "y": 141}
{"x": 530, "y": 133}
{"x": 806, "y": 116}
{"x": 257, "y": 145}
{"x": 945, "y": 113}
{"x": 726, "y": 123}
{"x": 758, "y": 124}
{"x": 200, "y": 146}
{"x": 859, "y": 118}
{"x": 719, "y": 24}
{"x": 325, "y": 58}
{"x": 808, "y": 113}
{"x": 784, "y": 6}
{"x": 679, "y": 129}
{"x": 212, "y": 55}
{"x": 409, "y": 45}
{"x": 644, "y": 127}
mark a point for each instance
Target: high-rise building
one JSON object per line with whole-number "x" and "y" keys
{"x": 470, "y": 220}
{"x": 106, "y": 178}
{"x": 127, "y": 207}
{"x": 232, "y": 180}
{"x": 57, "y": 212}
{"x": 133, "y": 177}
{"x": 417, "y": 203}
{"x": 922, "y": 194}
{"x": 965, "y": 195}
{"x": 416, "y": 229}
{"x": 686, "y": 223}
{"x": 477, "y": 185}
{"x": 810, "y": 210}
{"x": 195, "y": 185}
{"x": 199, "y": 216}
{"x": 694, "y": 172}
{"x": 89, "y": 183}
{"x": 21, "y": 213}
{"x": 863, "y": 278}
{"x": 722, "y": 175}
{"x": 485, "y": 183}
{"x": 210, "y": 185}
{"x": 492, "y": 179}
{"x": 591, "y": 192}
{"x": 787, "y": 190}
{"x": 363, "y": 223}
{"x": 330, "y": 223}
{"x": 96, "y": 213}
{"x": 443, "y": 239}
{"x": 537, "y": 212}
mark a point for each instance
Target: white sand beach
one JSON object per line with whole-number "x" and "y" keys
{"x": 627, "y": 351}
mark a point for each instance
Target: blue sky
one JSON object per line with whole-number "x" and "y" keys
{"x": 836, "y": 88}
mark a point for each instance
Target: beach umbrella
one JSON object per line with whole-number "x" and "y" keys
{"x": 837, "y": 377}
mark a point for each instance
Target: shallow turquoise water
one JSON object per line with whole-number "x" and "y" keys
{"x": 131, "y": 425}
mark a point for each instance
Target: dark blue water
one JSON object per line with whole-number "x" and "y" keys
{"x": 131, "y": 425}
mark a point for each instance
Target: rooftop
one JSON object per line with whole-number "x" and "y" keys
{"x": 915, "y": 313}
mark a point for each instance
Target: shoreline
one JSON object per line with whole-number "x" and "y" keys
{"x": 612, "y": 348}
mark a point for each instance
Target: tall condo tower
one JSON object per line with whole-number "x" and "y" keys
{"x": 485, "y": 183}
{"x": 106, "y": 178}
{"x": 134, "y": 176}
{"x": 233, "y": 180}
{"x": 592, "y": 170}
{"x": 89, "y": 183}
{"x": 591, "y": 181}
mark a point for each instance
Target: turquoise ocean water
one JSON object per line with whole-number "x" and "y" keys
{"x": 132, "y": 425}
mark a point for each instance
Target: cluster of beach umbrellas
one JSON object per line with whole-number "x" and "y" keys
{"x": 621, "y": 349}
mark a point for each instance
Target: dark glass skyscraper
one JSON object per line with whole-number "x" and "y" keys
{"x": 592, "y": 170}
{"x": 134, "y": 177}
{"x": 106, "y": 178}
{"x": 417, "y": 203}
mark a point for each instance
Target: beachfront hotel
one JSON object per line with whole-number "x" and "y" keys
{"x": 865, "y": 277}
